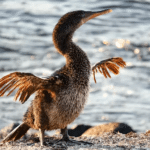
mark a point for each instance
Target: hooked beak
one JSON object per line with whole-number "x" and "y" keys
{"x": 91, "y": 15}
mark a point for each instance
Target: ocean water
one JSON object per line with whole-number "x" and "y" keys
{"x": 26, "y": 45}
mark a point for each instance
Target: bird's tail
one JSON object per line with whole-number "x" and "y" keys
{"x": 17, "y": 133}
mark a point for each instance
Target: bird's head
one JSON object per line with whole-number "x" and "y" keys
{"x": 72, "y": 20}
{"x": 69, "y": 22}
{"x": 81, "y": 17}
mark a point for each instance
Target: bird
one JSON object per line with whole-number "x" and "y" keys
{"x": 60, "y": 97}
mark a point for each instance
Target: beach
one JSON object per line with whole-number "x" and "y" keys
{"x": 105, "y": 142}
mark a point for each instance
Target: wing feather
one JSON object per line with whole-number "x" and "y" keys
{"x": 111, "y": 64}
{"x": 26, "y": 83}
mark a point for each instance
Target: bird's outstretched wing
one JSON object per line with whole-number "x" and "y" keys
{"x": 26, "y": 83}
{"x": 111, "y": 64}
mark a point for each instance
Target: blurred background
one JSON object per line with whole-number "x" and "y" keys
{"x": 26, "y": 45}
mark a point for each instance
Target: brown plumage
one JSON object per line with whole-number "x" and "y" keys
{"x": 112, "y": 64}
{"x": 59, "y": 98}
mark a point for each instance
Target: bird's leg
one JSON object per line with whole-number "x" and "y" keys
{"x": 64, "y": 132}
{"x": 66, "y": 138}
{"x": 41, "y": 136}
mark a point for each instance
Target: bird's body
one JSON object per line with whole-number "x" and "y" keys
{"x": 70, "y": 90}
{"x": 60, "y": 98}
{"x": 50, "y": 111}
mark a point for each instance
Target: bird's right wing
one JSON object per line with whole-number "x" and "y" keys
{"x": 111, "y": 64}
{"x": 26, "y": 83}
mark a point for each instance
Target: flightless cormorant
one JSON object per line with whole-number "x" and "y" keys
{"x": 60, "y": 98}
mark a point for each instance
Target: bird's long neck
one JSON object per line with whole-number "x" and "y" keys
{"x": 62, "y": 39}
{"x": 76, "y": 58}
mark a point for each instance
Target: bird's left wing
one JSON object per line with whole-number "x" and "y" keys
{"x": 26, "y": 83}
{"x": 111, "y": 64}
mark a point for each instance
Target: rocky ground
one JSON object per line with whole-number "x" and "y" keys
{"x": 104, "y": 141}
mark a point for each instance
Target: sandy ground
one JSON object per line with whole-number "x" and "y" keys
{"x": 106, "y": 141}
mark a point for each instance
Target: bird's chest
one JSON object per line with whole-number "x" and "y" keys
{"x": 72, "y": 102}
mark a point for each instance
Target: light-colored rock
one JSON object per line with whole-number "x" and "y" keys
{"x": 113, "y": 127}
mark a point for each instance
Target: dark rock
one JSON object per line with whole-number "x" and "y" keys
{"x": 78, "y": 130}
{"x": 123, "y": 128}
